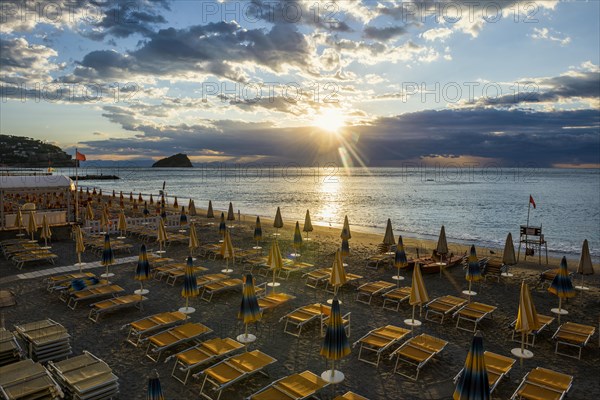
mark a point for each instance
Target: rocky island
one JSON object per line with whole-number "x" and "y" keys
{"x": 176, "y": 161}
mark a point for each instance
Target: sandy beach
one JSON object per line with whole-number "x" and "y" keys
{"x": 106, "y": 339}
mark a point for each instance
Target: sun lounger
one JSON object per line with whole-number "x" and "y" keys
{"x": 93, "y": 293}
{"x": 395, "y": 297}
{"x": 232, "y": 370}
{"x": 210, "y": 350}
{"x": 300, "y": 317}
{"x": 543, "y": 320}
{"x": 443, "y": 306}
{"x": 85, "y": 377}
{"x": 177, "y": 273}
{"x": 161, "y": 271}
{"x": 21, "y": 259}
{"x": 368, "y": 290}
{"x": 417, "y": 351}
{"x": 10, "y": 350}
{"x": 60, "y": 281}
{"x": 350, "y": 279}
{"x": 379, "y": 340}
{"x": 287, "y": 269}
{"x": 326, "y": 313}
{"x": 574, "y": 335}
{"x": 297, "y": 386}
{"x": 350, "y": 396}
{"x": 78, "y": 285}
{"x": 172, "y": 337}
{"x": 27, "y": 380}
{"x": 115, "y": 303}
{"x": 542, "y": 383}
{"x": 203, "y": 280}
{"x": 273, "y": 300}
{"x": 473, "y": 312}
{"x": 316, "y": 277}
{"x": 45, "y": 340}
{"x": 142, "y": 327}
{"x": 216, "y": 287}
{"x": 497, "y": 367}
{"x": 376, "y": 260}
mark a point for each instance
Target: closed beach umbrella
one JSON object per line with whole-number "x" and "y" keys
{"x": 473, "y": 383}
{"x": 121, "y": 203}
{"x": 227, "y": 250}
{"x": 335, "y": 346}
{"x": 388, "y": 238}
{"x": 209, "y": 211}
{"x": 161, "y": 234}
{"x": 442, "y": 244}
{"x": 508, "y": 255}
{"x": 307, "y": 224}
{"x": 46, "y": 233}
{"x": 154, "y": 388}
{"x": 175, "y": 204}
{"x": 131, "y": 197}
{"x": 142, "y": 270}
{"x": 473, "y": 273}
{"x": 182, "y": 217}
{"x": 104, "y": 220}
{"x": 190, "y": 286}
{"x": 146, "y": 212}
{"x": 151, "y": 199}
{"x": 79, "y": 245}
{"x": 192, "y": 208}
{"x": 346, "y": 235}
{"x": 31, "y": 225}
{"x": 345, "y": 249}
{"x": 249, "y": 308}
{"x": 114, "y": 194}
{"x": 163, "y": 211}
{"x": 140, "y": 198}
{"x": 400, "y": 260}
{"x": 122, "y": 225}
{"x": 418, "y": 294}
{"x": 135, "y": 205}
{"x": 18, "y": 220}
{"x": 278, "y": 222}
{"x": 230, "y": 213}
{"x": 527, "y": 319}
{"x": 89, "y": 213}
{"x": 297, "y": 239}
{"x": 222, "y": 226}
{"x": 108, "y": 257}
{"x": 561, "y": 285}
{"x": 194, "y": 243}
{"x": 275, "y": 262}
{"x": 585, "y": 266}
{"x": 338, "y": 274}
{"x": 257, "y": 233}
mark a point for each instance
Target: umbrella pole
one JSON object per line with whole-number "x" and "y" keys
{"x": 187, "y": 302}
{"x": 246, "y": 331}
{"x": 470, "y": 283}
{"x": 79, "y": 261}
{"x": 332, "y": 369}
{"x": 398, "y": 280}
{"x": 274, "y": 280}
{"x": 559, "y": 308}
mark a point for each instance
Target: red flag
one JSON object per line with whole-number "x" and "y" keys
{"x": 531, "y": 201}
{"x": 79, "y": 156}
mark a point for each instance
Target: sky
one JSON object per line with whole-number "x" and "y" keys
{"x": 358, "y": 83}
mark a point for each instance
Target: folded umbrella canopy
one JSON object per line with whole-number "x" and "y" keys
{"x": 79, "y": 246}
{"x": 190, "y": 286}
{"x": 388, "y": 238}
{"x": 18, "y": 220}
{"x": 400, "y": 260}
{"x": 249, "y": 309}
{"x": 209, "y": 211}
{"x": 222, "y": 226}
{"x": 230, "y": 213}
{"x": 335, "y": 345}
{"x": 108, "y": 257}
{"x": 122, "y": 224}
{"x": 473, "y": 273}
{"x": 297, "y": 240}
{"x": 562, "y": 287}
{"x": 346, "y": 235}
{"x": 527, "y": 320}
{"x": 175, "y": 203}
{"x": 151, "y": 199}
{"x": 508, "y": 255}
{"x": 473, "y": 383}
{"x": 142, "y": 270}
{"x": 154, "y": 388}
{"x": 338, "y": 273}
{"x": 307, "y": 224}
{"x": 161, "y": 235}
{"x": 418, "y": 295}
{"x": 89, "y": 213}
{"x": 585, "y": 266}
{"x": 192, "y": 208}
{"x": 257, "y": 233}
{"x": 31, "y": 225}
{"x": 140, "y": 198}
{"x": 442, "y": 244}
{"x": 182, "y": 218}
{"x": 194, "y": 243}
{"x": 275, "y": 262}
{"x": 278, "y": 222}
{"x": 146, "y": 212}
{"x": 227, "y": 251}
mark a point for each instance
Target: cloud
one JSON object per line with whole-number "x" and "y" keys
{"x": 23, "y": 62}
{"x": 553, "y": 36}
{"x": 437, "y": 34}
{"x": 386, "y": 33}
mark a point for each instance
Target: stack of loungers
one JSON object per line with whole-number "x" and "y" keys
{"x": 45, "y": 340}
{"x": 85, "y": 377}
{"x": 27, "y": 379}
{"x": 10, "y": 351}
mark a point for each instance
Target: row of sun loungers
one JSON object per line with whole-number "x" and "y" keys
{"x": 21, "y": 252}
{"x": 473, "y": 313}
{"x": 175, "y": 336}
{"x": 321, "y": 277}
{"x": 141, "y": 328}
{"x": 497, "y": 367}
{"x": 45, "y": 340}
{"x": 573, "y": 335}
{"x": 27, "y": 379}
{"x": 93, "y": 293}
{"x": 116, "y": 303}
{"x": 417, "y": 351}
{"x": 297, "y": 386}
{"x": 297, "y": 319}
{"x": 367, "y": 291}
{"x": 10, "y": 350}
{"x": 542, "y": 383}
{"x": 379, "y": 340}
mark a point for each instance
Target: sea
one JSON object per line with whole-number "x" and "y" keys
{"x": 477, "y": 206}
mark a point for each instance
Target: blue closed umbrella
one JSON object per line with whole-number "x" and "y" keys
{"x": 154, "y": 388}
{"x": 473, "y": 384}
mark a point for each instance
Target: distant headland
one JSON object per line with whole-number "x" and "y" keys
{"x": 176, "y": 161}
{"x": 20, "y": 151}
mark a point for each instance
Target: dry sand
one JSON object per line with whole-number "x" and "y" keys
{"x": 106, "y": 340}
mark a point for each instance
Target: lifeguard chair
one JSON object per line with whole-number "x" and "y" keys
{"x": 533, "y": 239}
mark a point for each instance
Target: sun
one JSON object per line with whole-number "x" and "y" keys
{"x": 331, "y": 120}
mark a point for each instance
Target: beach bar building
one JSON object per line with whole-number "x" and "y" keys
{"x": 49, "y": 195}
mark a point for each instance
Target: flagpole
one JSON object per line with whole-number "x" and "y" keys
{"x": 76, "y": 187}
{"x": 527, "y": 229}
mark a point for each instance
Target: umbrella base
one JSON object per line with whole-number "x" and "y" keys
{"x": 32, "y": 241}
{"x": 307, "y": 239}
{"x": 193, "y": 259}
{"x": 20, "y": 235}
{"x": 295, "y": 255}
{"x": 160, "y": 251}
{"x": 276, "y": 234}
{"x": 121, "y": 237}
{"x": 246, "y": 338}
{"x": 79, "y": 264}
{"x": 49, "y": 247}
{"x": 507, "y": 274}
{"x": 187, "y": 310}
{"x": 412, "y": 322}
{"x": 559, "y": 311}
{"x": 344, "y": 265}
{"x": 576, "y": 287}
{"x": 109, "y": 275}
{"x": 273, "y": 284}
{"x": 182, "y": 231}
{"x": 330, "y": 301}
{"x": 335, "y": 377}
{"x": 102, "y": 233}
{"x": 521, "y": 354}
{"x": 231, "y": 226}
{"x": 257, "y": 248}
{"x": 398, "y": 278}
{"x": 141, "y": 292}
{"x": 469, "y": 293}
{"x": 227, "y": 270}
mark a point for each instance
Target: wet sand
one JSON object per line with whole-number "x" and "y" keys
{"x": 106, "y": 339}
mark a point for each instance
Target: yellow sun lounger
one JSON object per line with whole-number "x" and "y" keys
{"x": 574, "y": 335}
{"x": 115, "y": 303}
{"x": 473, "y": 312}
{"x": 27, "y": 380}
{"x": 543, "y": 320}
{"x": 93, "y": 293}
{"x": 395, "y": 297}
{"x": 233, "y": 369}
{"x": 59, "y": 281}
{"x": 350, "y": 396}
{"x": 375, "y": 260}
{"x": 173, "y": 337}
{"x": 300, "y": 317}
{"x": 417, "y": 351}
{"x": 273, "y": 300}
{"x": 177, "y": 273}
{"x": 316, "y": 277}
{"x": 288, "y": 269}
{"x": 497, "y": 366}
{"x": 153, "y": 323}
{"x": 379, "y": 340}
{"x": 443, "y": 306}
{"x": 368, "y": 290}
{"x": 161, "y": 271}
{"x": 204, "y": 280}
{"x": 298, "y": 386}
{"x": 189, "y": 359}
{"x": 543, "y": 384}
{"x": 215, "y": 287}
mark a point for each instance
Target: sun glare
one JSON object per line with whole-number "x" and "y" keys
{"x": 330, "y": 120}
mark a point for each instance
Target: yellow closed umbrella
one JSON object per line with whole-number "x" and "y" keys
{"x": 32, "y": 226}
{"x": 161, "y": 235}
{"x": 46, "y": 233}
{"x": 19, "y": 221}
{"x": 275, "y": 262}
{"x": 388, "y": 238}
{"x": 307, "y": 225}
{"x": 89, "y": 213}
{"x": 278, "y": 222}
{"x": 227, "y": 251}
{"x": 338, "y": 274}
{"x": 122, "y": 225}
{"x": 418, "y": 295}
{"x": 194, "y": 243}
{"x": 585, "y": 266}
{"x": 104, "y": 221}
{"x": 79, "y": 246}
{"x": 527, "y": 321}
